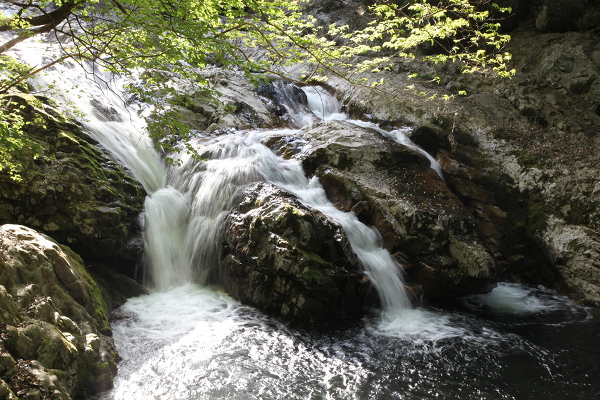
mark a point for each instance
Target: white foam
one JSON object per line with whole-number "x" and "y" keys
{"x": 197, "y": 343}
{"x": 514, "y": 298}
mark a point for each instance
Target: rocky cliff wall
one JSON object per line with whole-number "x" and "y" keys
{"x": 54, "y": 329}
{"x": 73, "y": 192}
{"x": 521, "y": 154}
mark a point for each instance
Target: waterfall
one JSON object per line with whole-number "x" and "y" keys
{"x": 194, "y": 342}
{"x": 184, "y": 213}
{"x": 240, "y": 159}
{"x": 108, "y": 119}
{"x": 236, "y": 160}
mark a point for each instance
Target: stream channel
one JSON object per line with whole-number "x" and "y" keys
{"x": 188, "y": 341}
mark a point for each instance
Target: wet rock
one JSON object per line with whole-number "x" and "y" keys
{"x": 392, "y": 188}
{"x": 74, "y": 192}
{"x": 289, "y": 260}
{"x": 54, "y": 331}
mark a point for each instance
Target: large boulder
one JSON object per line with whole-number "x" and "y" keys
{"x": 392, "y": 188}
{"x": 54, "y": 331}
{"x": 291, "y": 261}
{"x": 73, "y": 192}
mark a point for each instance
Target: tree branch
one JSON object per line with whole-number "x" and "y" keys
{"x": 52, "y": 18}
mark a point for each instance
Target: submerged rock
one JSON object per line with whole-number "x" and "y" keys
{"x": 54, "y": 332}
{"x": 290, "y": 261}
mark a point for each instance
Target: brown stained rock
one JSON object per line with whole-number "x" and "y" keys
{"x": 407, "y": 202}
{"x": 289, "y": 260}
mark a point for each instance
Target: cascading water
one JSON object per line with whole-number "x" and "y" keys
{"x": 118, "y": 128}
{"x": 190, "y": 342}
{"x": 327, "y": 107}
{"x": 240, "y": 159}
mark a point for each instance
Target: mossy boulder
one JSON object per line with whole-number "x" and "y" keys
{"x": 73, "y": 192}
{"x": 54, "y": 328}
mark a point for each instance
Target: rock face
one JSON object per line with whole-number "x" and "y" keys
{"x": 521, "y": 155}
{"x": 391, "y": 187}
{"x": 559, "y": 16}
{"x": 73, "y": 193}
{"x": 290, "y": 260}
{"x": 239, "y": 106}
{"x": 54, "y": 331}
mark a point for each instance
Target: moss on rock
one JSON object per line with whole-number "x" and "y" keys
{"x": 74, "y": 192}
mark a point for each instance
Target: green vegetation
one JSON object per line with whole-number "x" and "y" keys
{"x": 460, "y": 31}
{"x": 181, "y": 37}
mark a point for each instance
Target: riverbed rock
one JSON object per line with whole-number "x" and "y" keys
{"x": 291, "y": 261}
{"x": 73, "y": 192}
{"x": 54, "y": 331}
{"x": 392, "y": 188}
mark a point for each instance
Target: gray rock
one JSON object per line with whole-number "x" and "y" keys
{"x": 392, "y": 188}
{"x": 515, "y": 152}
{"x": 289, "y": 260}
{"x": 576, "y": 251}
{"x": 238, "y": 106}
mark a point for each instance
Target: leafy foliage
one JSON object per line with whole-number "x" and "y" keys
{"x": 13, "y": 139}
{"x": 253, "y": 36}
{"x": 459, "y": 31}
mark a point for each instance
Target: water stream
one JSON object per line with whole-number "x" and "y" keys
{"x": 190, "y": 341}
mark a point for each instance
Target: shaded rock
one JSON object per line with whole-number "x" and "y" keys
{"x": 559, "y": 15}
{"x": 116, "y": 288}
{"x": 290, "y": 260}
{"x": 51, "y": 311}
{"x": 519, "y": 12}
{"x": 5, "y": 391}
{"x": 393, "y": 189}
{"x": 74, "y": 193}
